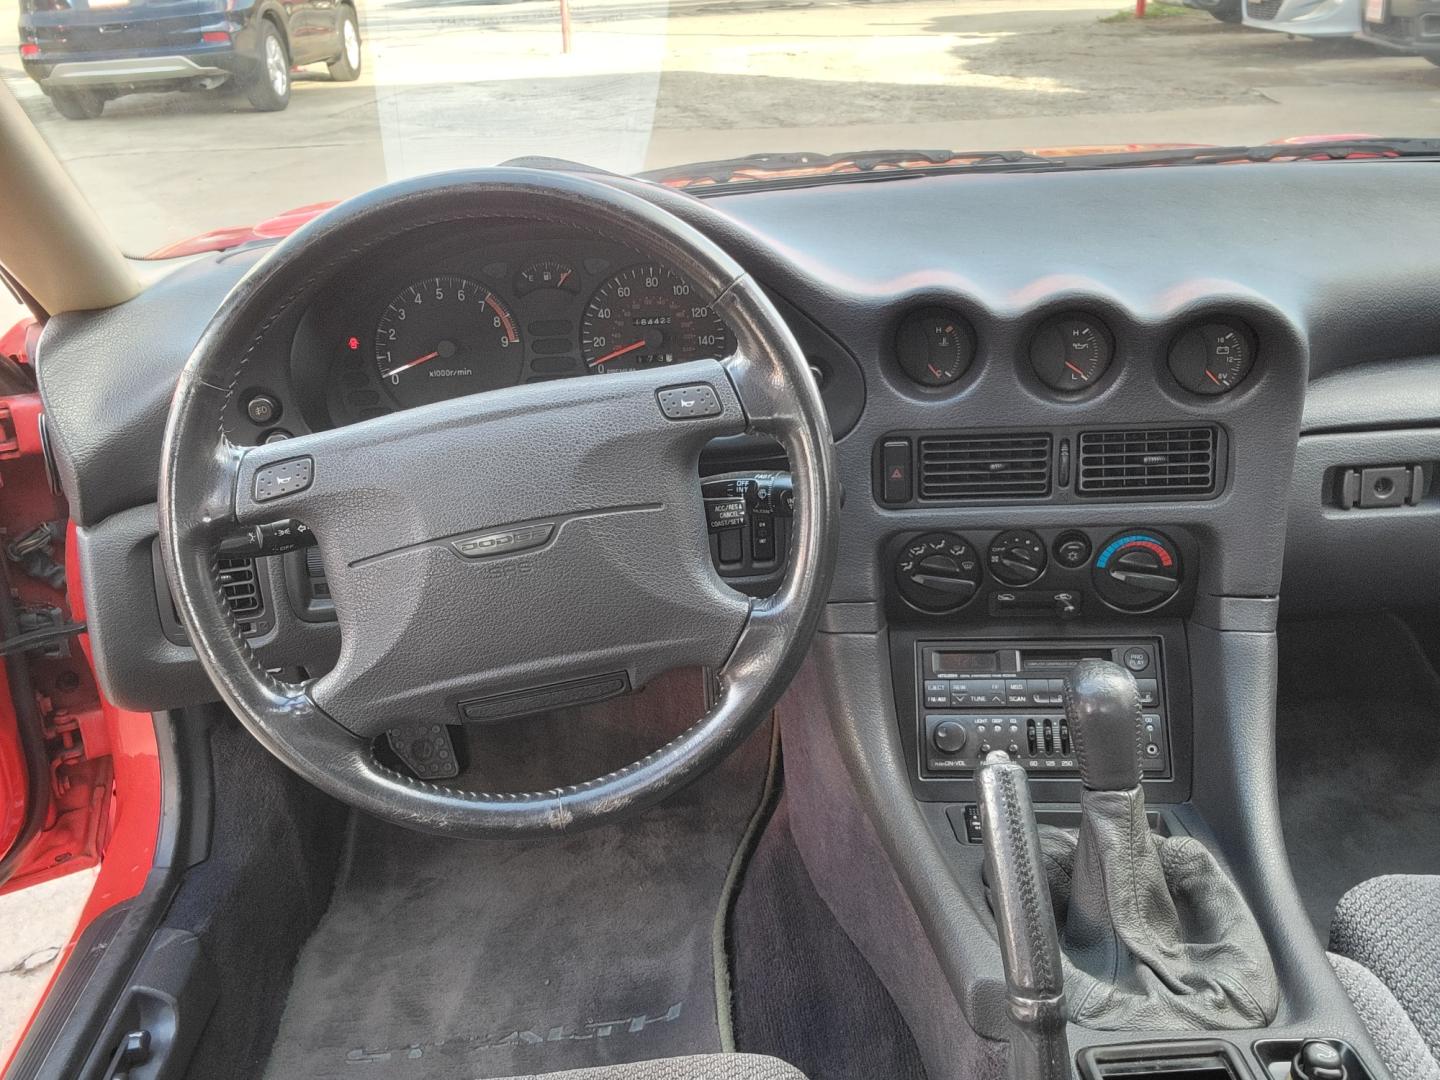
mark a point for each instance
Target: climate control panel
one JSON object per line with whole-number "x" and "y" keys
{"x": 1041, "y": 573}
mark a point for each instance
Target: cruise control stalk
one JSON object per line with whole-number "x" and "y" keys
{"x": 271, "y": 538}
{"x": 1025, "y": 919}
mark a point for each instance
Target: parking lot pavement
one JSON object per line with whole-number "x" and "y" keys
{"x": 459, "y": 82}
{"x": 34, "y": 927}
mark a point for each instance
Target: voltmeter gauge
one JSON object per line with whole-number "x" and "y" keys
{"x": 1213, "y": 357}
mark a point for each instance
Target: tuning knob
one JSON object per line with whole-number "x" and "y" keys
{"x": 938, "y": 572}
{"x": 1137, "y": 571}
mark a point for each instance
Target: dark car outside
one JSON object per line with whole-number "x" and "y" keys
{"x": 1404, "y": 26}
{"x": 85, "y": 53}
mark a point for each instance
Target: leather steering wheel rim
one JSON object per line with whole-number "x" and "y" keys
{"x": 389, "y": 542}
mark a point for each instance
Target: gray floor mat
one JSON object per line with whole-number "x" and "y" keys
{"x": 448, "y": 960}
{"x": 1358, "y": 752}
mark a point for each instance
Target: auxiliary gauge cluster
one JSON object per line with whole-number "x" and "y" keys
{"x": 1071, "y": 352}
{"x": 1044, "y": 573}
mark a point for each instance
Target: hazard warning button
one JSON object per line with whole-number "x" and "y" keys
{"x": 895, "y": 481}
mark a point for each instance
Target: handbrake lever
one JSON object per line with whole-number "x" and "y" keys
{"x": 1029, "y": 940}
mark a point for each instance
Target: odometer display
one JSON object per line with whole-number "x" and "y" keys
{"x": 444, "y": 337}
{"x": 647, "y": 315}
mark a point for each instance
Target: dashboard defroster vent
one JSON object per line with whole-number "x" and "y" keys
{"x": 1160, "y": 461}
{"x": 999, "y": 466}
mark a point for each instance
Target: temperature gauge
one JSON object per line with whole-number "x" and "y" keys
{"x": 934, "y": 346}
{"x": 1213, "y": 358}
{"x": 1070, "y": 352}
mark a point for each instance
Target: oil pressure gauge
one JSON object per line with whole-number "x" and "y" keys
{"x": 1071, "y": 352}
{"x": 1213, "y": 357}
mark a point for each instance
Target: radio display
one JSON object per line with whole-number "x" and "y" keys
{"x": 965, "y": 663}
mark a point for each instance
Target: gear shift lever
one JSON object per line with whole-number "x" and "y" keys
{"x": 1102, "y": 707}
{"x": 1029, "y": 942}
{"x": 1156, "y": 935}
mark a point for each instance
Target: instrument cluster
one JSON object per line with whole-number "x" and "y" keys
{"x": 455, "y": 318}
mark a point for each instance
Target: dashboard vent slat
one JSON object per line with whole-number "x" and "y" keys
{"x": 1160, "y": 461}
{"x": 985, "y": 466}
{"x": 241, "y": 588}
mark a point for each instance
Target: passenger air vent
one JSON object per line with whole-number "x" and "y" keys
{"x": 985, "y": 466}
{"x": 1169, "y": 461}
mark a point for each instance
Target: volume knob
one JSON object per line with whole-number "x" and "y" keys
{"x": 949, "y": 736}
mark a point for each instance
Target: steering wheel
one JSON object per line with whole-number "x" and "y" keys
{"x": 511, "y": 549}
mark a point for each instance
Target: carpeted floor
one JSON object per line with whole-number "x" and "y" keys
{"x": 449, "y": 960}
{"x": 802, "y": 991}
{"x": 1358, "y": 751}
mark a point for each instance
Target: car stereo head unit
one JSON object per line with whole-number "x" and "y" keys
{"x": 975, "y": 698}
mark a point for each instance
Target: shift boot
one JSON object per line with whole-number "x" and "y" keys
{"x": 1154, "y": 933}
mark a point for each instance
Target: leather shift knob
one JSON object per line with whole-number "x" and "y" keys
{"x": 1102, "y": 707}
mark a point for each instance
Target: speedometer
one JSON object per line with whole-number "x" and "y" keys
{"x": 647, "y": 315}
{"x": 444, "y": 337}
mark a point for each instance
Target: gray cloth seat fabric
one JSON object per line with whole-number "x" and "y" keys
{"x": 700, "y": 1067}
{"x": 1401, "y": 1047}
{"x": 1389, "y": 926}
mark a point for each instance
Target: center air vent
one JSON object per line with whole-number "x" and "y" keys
{"x": 1166, "y": 461}
{"x": 962, "y": 467}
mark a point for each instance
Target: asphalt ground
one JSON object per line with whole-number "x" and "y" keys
{"x": 651, "y": 84}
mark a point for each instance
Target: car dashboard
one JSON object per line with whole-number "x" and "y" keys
{"x": 1066, "y": 406}
{"x": 1126, "y": 415}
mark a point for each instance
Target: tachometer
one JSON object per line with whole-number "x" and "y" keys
{"x": 444, "y": 337}
{"x": 647, "y": 315}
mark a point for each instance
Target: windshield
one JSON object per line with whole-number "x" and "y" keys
{"x": 179, "y": 117}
